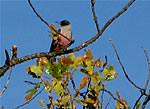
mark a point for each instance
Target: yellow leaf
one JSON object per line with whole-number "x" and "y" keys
{"x": 36, "y": 69}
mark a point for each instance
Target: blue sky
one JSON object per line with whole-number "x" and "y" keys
{"x": 130, "y": 33}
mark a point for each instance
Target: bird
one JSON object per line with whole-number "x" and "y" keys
{"x": 63, "y": 40}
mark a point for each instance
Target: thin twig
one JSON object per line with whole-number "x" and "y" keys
{"x": 5, "y": 67}
{"x": 37, "y": 13}
{"x": 115, "y": 98}
{"x": 116, "y": 16}
{"x": 126, "y": 75}
{"x": 94, "y": 15}
{"x": 5, "y": 87}
{"x": 72, "y": 81}
{"x": 146, "y": 100}
{"x": 137, "y": 101}
{"x": 148, "y": 78}
{"x": 108, "y": 103}
{"x": 29, "y": 82}
{"x": 30, "y": 99}
{"x": 102, "y": 97}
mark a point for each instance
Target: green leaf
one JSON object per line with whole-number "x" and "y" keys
{"x": 31, "y": 93}
{"x": 138, "y": 105}
{"x": 110, "y": 73}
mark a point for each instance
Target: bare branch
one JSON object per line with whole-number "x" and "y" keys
{"x": 137, "y": 101}
{"x": 37, "y": 13}
{"x": 115, "y": 98}
{"x": 7, "y": 58}
{"x": 148, "y": 78}
{"x": 94, "y": 15}
{"x": 72, "y": 81}
{"x": 126, "y": 75}
{"x": 102, "y": 97}
{"x": 30, "y": 99}
{"x": 5, "y": 67}
{"x": 108, "y": 103}
{"x": 147, "y": 99}
{"x": 116, "y": 16}
{"x": 5, "y": 87}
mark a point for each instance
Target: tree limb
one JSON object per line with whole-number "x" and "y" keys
{"x": 124, "y": 71}
{"x": 94, "y": 15}
{"x": 5, "y": 87}
{"x": 16, "y": 61}
{"x": 30, "y": 99}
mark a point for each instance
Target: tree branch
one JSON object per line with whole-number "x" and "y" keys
{"x": 148, "y": 62}
{"x": 94, "y": 15}
{"x": 16, "y": 61}
{"x": 137, "y": 101}
{"x": 116, "y": 16}
{"x": 31, "y": 99}
{"x": 37, "y": 13}
{"x": 126, "y": 75}
{"x": 115, "y": 98}
{"x": 146, "y": 100}
{"x": 5, "y": 87}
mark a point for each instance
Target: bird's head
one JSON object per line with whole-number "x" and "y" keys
{"x": 64, "y": 23}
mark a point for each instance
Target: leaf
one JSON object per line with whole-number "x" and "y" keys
{"x": 47, "y": 85}
{"x": 89, "y": 67}
{"x": 31, "y": 93}
{"x": 110, "y": 73}
{"x": 74, "y": 106}
{"x": 119, "y": 105}
{"x": 44, "y": 61}
{"x": 52, "y": 27}
{"x": 84, "y": 82}
{"x": 65, "y": 61}
{"x": 27, "y": 69}
{"x": 41, "y": 102}
{"x": 28, "y": 97}
{"x": 138, "y": 104}
{"x": 76, "y": 61}
{"x": 65, "y": 99}
{"x": 36, "y": 69}
{"x": 59, "y": 90}
{"x": 88, "y": 55}
{"x": 98, "y": 63}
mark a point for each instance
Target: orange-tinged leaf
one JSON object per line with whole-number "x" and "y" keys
{"x": 53, "y": 29}
{"x": 27, "y": 69}
{"x": 98, "y": 63}
{"x": 41, "y": 102}
{"x": 52, "y": 26}
{"x": 65, "y": 61}
{"x": 74, "y": 106}
{"x": 122, "y": 100}
{"x": 44, "y": 61}
{"x": 31, "y": 93}
{"x": 28, "y": 97}
{"x": 88, "y": 54}
{"x": 84, "y": 82}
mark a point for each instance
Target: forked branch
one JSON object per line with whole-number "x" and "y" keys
{"x": 16, "y": 61}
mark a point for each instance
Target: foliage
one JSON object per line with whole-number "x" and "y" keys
{"x": 56, "y": 78}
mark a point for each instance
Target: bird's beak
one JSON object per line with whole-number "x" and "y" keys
{"x": 58, "y": 22}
